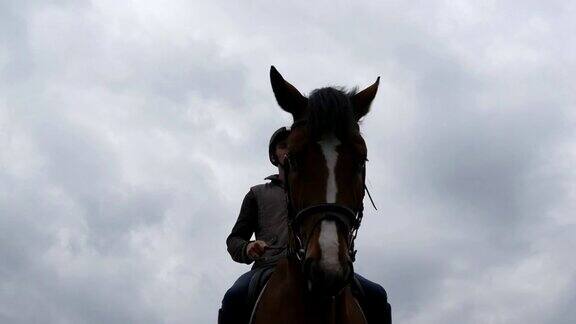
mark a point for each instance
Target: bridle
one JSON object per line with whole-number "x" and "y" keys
{"x": 347, "y": 217}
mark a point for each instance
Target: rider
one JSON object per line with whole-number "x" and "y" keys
{"x": 264, "y": 213}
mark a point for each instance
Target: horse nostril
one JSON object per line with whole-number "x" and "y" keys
{"x": 348, "y": 271}
{"x": 313, "y": 271}
{"x": 350, "y": 266}
{"x": 307, "y": 267}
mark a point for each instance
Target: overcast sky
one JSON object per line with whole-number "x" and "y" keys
{"x": 131, "y": 130}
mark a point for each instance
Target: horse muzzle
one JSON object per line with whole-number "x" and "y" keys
{"x": 327, "y": 282}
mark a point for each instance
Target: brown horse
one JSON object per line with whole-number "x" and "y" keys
{"x": 324, "y": 182}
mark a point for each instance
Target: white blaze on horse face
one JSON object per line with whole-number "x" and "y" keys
{"x": 328, "y": 144}
{"x": 328, "y": 239}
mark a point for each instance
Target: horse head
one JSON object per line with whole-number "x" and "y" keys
{"x": 324, "y": 178}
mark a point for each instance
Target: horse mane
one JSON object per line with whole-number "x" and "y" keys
{"x": 330, "y": 111}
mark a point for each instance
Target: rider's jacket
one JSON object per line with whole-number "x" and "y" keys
{"x": 264, "y": 214}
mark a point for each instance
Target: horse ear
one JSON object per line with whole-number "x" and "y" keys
{"x": 362, "y": 100}
{"x": 288, "y": 97}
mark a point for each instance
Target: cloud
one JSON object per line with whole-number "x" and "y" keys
{"x": 130, "y": 133}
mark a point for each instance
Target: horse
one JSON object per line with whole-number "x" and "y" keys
{"x": 324, "y": 173}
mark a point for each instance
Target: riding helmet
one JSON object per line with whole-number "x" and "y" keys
{"x": 279, "y": 135}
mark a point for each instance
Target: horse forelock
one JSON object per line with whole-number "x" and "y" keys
{"x": 330, "y": 112}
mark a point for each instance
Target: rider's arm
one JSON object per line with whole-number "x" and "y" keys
{"x": 243, "y": 229}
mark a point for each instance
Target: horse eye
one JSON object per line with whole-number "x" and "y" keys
{"x": 293, "y": 165}
{"x": 293, "y": 162}
{"x": 362, "y": 165}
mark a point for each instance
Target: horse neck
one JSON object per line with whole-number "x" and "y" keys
{"x": 288, "y": 282}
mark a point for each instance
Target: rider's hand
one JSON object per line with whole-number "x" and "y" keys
{"x": 256, "y": 249}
